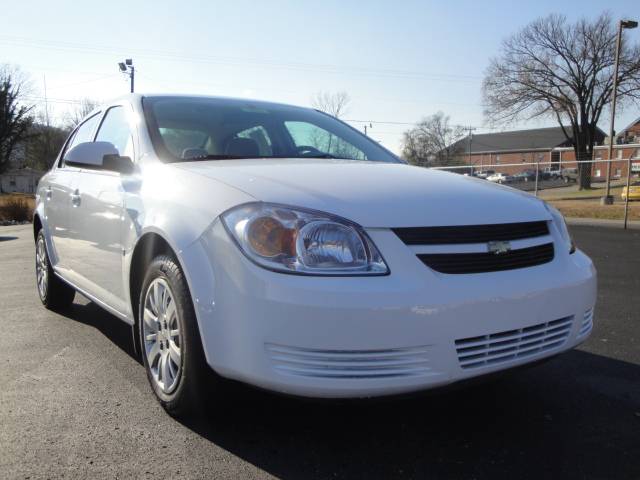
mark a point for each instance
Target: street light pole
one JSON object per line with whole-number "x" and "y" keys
{"x": 128, "y": 68}
{"x": 629, "y": 24}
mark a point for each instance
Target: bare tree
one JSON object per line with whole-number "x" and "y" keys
{"x": 79, "y": 111}
{"x": 564, "y": 71}
{"x": 433, "y": 140}
{"x": 43, "y": 144}
{"x": 15, "y": 114}
{"x": 335, "y": 104}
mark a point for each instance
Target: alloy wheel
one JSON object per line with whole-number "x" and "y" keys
{"x": 161, "y": 334}
{"x": 42, "y": 270}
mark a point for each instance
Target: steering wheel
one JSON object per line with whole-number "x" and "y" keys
{"x": 309, "y": 150}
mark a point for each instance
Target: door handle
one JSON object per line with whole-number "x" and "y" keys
{"x": 48, "y": 193}
{"x": 75, "y": 198}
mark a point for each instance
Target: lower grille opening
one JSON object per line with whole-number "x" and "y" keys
{"x": 349, "y": 364}
{"x": 507, "y": 346}
{"x": 587, "y": 324}
{"x": 459, "y": 263}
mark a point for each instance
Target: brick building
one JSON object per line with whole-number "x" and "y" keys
{"x": 519, "y": 150}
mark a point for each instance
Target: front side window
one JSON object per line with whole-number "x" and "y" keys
{"x": 84, "y": 133}
{"x": 116, "y": 130}
{"x": 190, "y": 128}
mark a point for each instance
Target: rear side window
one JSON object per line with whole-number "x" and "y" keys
{"x": 84, "y": 133}
{"x": 115, "y": 129}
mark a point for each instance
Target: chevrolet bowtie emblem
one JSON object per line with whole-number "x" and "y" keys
{"x": 499, "y": 247}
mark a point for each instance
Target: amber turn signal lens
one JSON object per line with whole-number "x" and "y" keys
{"x": 269, "y": 238}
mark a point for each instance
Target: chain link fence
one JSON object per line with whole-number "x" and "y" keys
{"x": 537, "y": 176}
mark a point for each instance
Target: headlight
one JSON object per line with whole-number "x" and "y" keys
{"x": 301, "y": 241}
{"x": 561, "y": 225}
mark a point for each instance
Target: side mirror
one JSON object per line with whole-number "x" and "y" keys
{"x": 99, "y": 156}
{"x": 116, "y": 163}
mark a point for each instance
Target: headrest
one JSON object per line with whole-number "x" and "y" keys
{"x": 242, "y": 147}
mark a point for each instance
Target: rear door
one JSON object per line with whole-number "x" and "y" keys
{"x": 58, "y": 198}
{"x": 99, "y": 217}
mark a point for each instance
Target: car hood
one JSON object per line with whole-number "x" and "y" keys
{"x": 375, "y": 194}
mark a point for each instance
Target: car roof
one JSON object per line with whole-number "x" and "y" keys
{"x": 220, "y": 99}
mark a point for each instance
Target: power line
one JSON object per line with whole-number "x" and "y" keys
{"x": 228, "y": 60}
{"x": 81, "y": 82}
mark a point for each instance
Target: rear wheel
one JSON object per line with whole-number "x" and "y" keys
{"x": 53, "y": 292}
{"x": 170, "y": 342}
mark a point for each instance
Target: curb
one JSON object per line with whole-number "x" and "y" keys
{"x": 599, "y": 222}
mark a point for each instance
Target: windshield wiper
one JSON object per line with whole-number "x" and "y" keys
{"x": 199, "y": 158}
{"x": 318, "y": 155}
{"x": 211, "y": 157}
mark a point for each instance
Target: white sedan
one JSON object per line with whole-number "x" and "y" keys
{"x": 277, "y": 246}
{"x": 500, "y": 178}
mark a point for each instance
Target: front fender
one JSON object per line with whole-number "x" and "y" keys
{"x": 179, "y": 207}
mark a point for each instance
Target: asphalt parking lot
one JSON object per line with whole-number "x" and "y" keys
{"x": 75, "y": 403}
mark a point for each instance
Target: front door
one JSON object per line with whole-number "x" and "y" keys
{"x": 99, "y": 218}
{"x": 97, "y": 241}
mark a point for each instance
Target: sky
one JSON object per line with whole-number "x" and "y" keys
{"x": 398, "y": 60}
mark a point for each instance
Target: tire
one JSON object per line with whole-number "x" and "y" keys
{"x": 182, "y": 379}
{"x": 54, "y": 293}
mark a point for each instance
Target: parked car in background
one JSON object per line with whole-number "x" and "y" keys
{"x": 500, "y": 178}
{"x": 484, "y": 174}
{"x": 550, "y": 173}
{"x": 569, "y": 175}
{"x": 633, "y": 192}
{"x": 277, "y": 246}
{"x": 525, "y": 176}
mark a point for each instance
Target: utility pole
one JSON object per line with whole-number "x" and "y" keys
{"x": 46, "y": 103}
{"x": 127, "y": 68}
{"x": 608, "y": 198}
{"x": 365, "y": 127}
{"x": 470, "y": 131}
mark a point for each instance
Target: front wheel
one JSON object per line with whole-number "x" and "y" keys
{"x": 53, "y": 292}
{"x": 170, "y": 342}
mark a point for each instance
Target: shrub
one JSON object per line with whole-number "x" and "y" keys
{"x": 16, "y": 208}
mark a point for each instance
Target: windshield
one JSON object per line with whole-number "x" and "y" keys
{"x": 192, "y": 128}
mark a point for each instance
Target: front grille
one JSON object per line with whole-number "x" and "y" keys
{"x": 502, "y": 347}
{"x": 349, "y": 364}
{"x": 457, "y": 263}
{"x": 471, "y": 233}
{"x": 587, "y": 324}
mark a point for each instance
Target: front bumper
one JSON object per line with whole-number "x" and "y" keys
{"x": 358, "y": 337}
